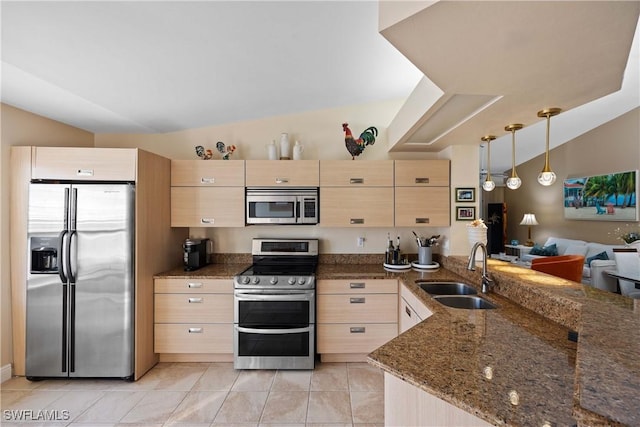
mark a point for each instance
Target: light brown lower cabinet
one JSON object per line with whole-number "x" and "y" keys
{"x": 407, "y": 405}
{"x": 411, "y": 311}
{"x": 354, "y": 317}
{"x": 193, "y": 320}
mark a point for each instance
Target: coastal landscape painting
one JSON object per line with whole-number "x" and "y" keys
{"x": 610, "y": 197}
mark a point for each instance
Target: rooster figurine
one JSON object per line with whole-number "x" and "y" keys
{"x": 356, "y": 146}
{"x": 202, "y": 153}
{"x": 226, "y": 151}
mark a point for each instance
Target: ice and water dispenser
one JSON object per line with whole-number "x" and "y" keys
{"x": 44, "y": 254}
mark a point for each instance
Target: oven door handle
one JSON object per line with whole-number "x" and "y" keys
{"x": 274, "y": 297}
{"x": 272, "y": 331}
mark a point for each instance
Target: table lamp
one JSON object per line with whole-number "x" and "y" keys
{"x": 529, "y": 219}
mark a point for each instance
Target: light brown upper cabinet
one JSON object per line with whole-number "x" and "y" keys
{"x": 356, "y": 193}
{"x": 207, "y": 173}
{"x": 79, "y": 163}
{"x": 282, "y": 173}
{"x": 422, "y": 193}
{"x": 352, "y": 173}
{"x": 207, "y": 193}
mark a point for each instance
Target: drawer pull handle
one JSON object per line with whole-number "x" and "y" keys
{"x": 357, "y": 221}
{"x": 195, "y": 330}
{"x": 360, "y": 300}
{"x": 356, "y": 181}
{"x": 207, "y": 220}
{"x": 195, "y": 300}
{"x": 422, "y": 180}
{"x": 204, "y": 180}
{"x": 422, "y": 220}
{"x": 84, "y": 172}
{"x": 358, "y": 330}
{"x": 192, "y": 285}
{"x": 408, "y": 311}
{"x": 360, "y": 285}
{"x": 282, "y": 180}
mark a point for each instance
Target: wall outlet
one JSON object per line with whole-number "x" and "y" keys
{"x": 361, "y": 242}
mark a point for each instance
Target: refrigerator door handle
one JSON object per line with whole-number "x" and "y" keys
{"x": 72, "y": 327}
{"x": 72, "y": 228}
{"x": 70, "y": 272}
{"x": 65, "y": 308}
{"x": 61, "y": 256}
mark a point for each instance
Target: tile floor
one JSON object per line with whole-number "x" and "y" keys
{"x": 205, "y": 394}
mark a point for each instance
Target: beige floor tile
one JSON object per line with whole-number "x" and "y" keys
{"x": 179, "y": 378}
{"x": 75, "y": 402}
{"x": 329, "y": 425}
{"x": 283, "y": 425}
{"x": 367, "y": 406}
{"x": 92, "y": 424}
{"x": 93, "y": 384}
{"x": 329, "y": 377}
{"x": 292, "y": 381}
{"x": 365, "y": 378}
{"x": 198, "y": 407}
{"x": 20, "y": 383}
{"x": 254, "y": 380}
{"x": 286, "y": 407}
{"x": 155, "y": 407}
{"x": 242, "y": 407}
{"x": 218, "y": 376}
{"x": 329, "y": 407}
{"x": 53, "y": 385}
{"x": 111, "y": 407}
{"x": 30, "y": 400}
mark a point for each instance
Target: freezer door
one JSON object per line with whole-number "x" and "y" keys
{"x": 46, "y": 337}
{"x": 102, "y": 269}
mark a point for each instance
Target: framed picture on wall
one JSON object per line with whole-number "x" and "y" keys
{"x": 465, "y": 194}
{"x": 610, "y": 197}
{"x": 465, "y": 213}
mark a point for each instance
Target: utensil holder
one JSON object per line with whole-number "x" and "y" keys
{"x": 425, "y": 255}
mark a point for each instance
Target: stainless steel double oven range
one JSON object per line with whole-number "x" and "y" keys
{"x": 274, "y": 313}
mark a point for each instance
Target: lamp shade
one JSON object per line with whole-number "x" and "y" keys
{"x": 529, "y": 219}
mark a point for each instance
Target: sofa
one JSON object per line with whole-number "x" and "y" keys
{"x": 595, "y": 260}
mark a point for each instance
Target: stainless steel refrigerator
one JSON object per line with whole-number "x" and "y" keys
{"x": 80, "y": 280}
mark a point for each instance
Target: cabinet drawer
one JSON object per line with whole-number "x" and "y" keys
{"x": 196, "y": 286}
{"x": 282, "y": 173}
{"x": 347, "y": 173}
{"x": 422, "y": 173}
{"x": 428, "y": 207}
{"x": 356, "y": 207}
{"x": 91, "y": 164}
{"x": 421, "y": 310}
{"x": 193, "y": 338}
{"x": 207, "y": 173}
{"x": 384, "y": 286}
{"x": 353, "y": 337}
{"x": 207, "y": 207}
{"x": 379, "y": 308}
{"x": 189, "y": 308}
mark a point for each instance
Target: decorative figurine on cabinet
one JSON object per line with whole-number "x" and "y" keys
{"x": 225, "y": 150}
{"x": 356, "y": 146}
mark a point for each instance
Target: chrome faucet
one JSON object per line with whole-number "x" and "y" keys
{"x": 471, "y": 265}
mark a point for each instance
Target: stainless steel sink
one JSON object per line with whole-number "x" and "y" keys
{"x": 447, "y": 288}
{"x": 468, "y": 302}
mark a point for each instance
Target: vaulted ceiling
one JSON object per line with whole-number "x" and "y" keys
{"x": 164, "y": 66}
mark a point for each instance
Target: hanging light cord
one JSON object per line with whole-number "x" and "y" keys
{"x": 547, "y": 167}
{"x": 513, "y": 153}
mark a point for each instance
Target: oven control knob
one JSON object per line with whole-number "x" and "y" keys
{"x": 292, "y": 280}
{"x": 301, "y": 281}
{"x": 255, "y": 280}
{"x": 244, "y": 280}
{"x": 273, "y": 280}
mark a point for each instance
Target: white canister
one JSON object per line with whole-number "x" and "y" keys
{"x": 285, "y": 148}
{"x": 272, "y": 153}
{"x": 297, "y": 150}
{"x": 477, "y": 234}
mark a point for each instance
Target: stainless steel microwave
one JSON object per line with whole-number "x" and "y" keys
{"x": 282, "y": 205}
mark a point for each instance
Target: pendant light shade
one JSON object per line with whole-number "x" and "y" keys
{"x": 547, "y": 177}
{"x": 513, "y": 182}
{"x": 488, "y": 184}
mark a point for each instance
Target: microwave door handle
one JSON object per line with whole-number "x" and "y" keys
{"x": 297, "y": 210}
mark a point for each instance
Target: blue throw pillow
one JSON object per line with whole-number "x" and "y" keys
{"x": 601, "y": 255}
{"x": 551, "y": 250}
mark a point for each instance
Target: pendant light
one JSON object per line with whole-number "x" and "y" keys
{"x": 488, "y": 184}
{"x": 513, "y": 182}
{"x": 547, "y": 176}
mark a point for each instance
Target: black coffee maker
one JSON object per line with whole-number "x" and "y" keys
{"x": 195, "y": 253}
